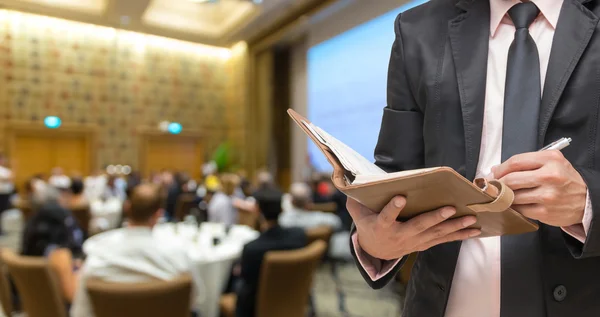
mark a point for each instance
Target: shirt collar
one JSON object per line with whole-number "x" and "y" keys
{"x": 550, "y": 9}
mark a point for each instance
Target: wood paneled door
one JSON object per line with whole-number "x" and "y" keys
{"x": 38, "y": 150}
{"x": 182, "y": 153}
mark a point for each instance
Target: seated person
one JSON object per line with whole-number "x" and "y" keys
{"x": 52, "y": 232}
{"x": 59, "y": 180}
{"x": 112, "y": 190}
{"x": 297, "y": 214}
{"x": 221, "y": 207}
{"x": 77, "y": 199}
{"x": 272, "y": 238}
{"x": 131, "y": 254}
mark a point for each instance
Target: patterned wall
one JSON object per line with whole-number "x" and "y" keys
{"x": 116, "y": 80}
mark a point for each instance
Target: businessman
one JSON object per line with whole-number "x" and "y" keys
{"x": 480, "y": 86}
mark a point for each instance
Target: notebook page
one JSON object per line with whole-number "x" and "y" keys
{"x": 364, "y": 179}
{"x": 357, "y": 164}
{"x": 347, "y": 165}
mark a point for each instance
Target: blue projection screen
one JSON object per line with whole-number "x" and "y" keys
{"x": 347, "y": 79}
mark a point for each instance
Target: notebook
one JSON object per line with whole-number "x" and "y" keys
{"x": 425, "y": 189}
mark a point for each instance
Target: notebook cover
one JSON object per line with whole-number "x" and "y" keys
{"x": 428, "y": 191}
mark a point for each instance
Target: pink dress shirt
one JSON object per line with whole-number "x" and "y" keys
{"x": 475, "y": 288}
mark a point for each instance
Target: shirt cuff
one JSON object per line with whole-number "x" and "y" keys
{"x": 375, "y": 268}
{"x": 579, "y": 231}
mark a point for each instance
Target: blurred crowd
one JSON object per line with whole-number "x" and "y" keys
{"x": 61, "y": 211}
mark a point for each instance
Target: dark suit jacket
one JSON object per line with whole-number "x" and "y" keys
{"x": 274, "y": 239}
{"x": 436, "y": 92}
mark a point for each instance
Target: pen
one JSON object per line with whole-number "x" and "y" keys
{"x": 558, "y": 144}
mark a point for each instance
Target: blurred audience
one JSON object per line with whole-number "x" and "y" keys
{"x": 52, "y": 232}
{"x": 220, "y": 202}
{"x": 173, "y": 186}
{"x": 273, "y": 238}
{"x": 77, "y": 199}
{"x": 6, "y": 186}
{"x": 265, "y": 181}
{"x": 320, "y": 189}
{"x": 297, "y": 213}
{"x": 131, "y": 254}
{"x": 59, "y": 180}
{"x": 95, "y": 185}
{"x": 112, "y": 191}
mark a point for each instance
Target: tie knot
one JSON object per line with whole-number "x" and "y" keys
{"x": 523, "y": 14}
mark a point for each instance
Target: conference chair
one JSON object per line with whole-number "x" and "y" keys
{"x": 83, "y": 216}
{"x": 149, "y": 299}
{"x": 322, "y": 233}
{"x": 285, "y": 282}
{"x": 37, "y": 285}
{"x": 6, "y": 297}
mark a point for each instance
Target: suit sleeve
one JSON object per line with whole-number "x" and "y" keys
{"x": 591, "y": 246}
{"x": 400, "y": 144}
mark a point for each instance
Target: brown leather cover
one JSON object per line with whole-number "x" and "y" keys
{"x": 434, "y": 189}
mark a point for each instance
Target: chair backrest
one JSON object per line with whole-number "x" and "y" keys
{"x": 286, "y": 279}
{"x": 322, "y": 233}
{"x": 183, "y": 206}
{"x": 150, "y": 299}
{"x": 83, "y": 216}
{"x": 5, "y": 291}
{"x": 37, "y": 284}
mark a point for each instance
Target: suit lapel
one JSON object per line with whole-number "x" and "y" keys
{"x": 575, "y": 27}
{"x": 469, "y": 38}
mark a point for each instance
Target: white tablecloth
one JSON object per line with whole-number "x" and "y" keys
{"x": 106, "y": 215}
{"x": 211, "y": 265}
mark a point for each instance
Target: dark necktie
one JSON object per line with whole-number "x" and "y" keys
{"x": 522, "y": 95}
{"x": 521, "y": 293}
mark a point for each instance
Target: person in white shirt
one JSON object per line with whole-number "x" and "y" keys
{"x": 296, "y": 211}
{"x": 7, "y": 186}
{"x": 113, "y": 191}
{"x": 220, "y": 203}
{"x": 59, "y": 179}
{"x": 95, "y": 185}
{"x": 131, "y": 254}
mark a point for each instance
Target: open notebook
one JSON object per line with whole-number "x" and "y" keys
{"x": 425, "y": 189}
{"x": 362, "y": 170}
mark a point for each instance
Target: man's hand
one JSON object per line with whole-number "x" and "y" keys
{"x": 381, "y": 236}
{"x": 547, "y": 187}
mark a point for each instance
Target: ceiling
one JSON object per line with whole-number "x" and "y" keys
{"x": 220, "y": 23}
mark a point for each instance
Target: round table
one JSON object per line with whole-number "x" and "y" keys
{"x": 211, "y": 265}
{"x": 106, "y": 215}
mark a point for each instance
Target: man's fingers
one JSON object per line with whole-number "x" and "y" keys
{"x": 531, "y": 211}
{"x": 447, "y": 227}
{"x": 521, "y": 180}
{"x": 455, "y": 236}
{"x": 387, "y": 217}
{"x": 524, "y": 162}
{"x": 530, "y": 196}
{"x": 356, "y": 210}
{"x": 427, "y": 220}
